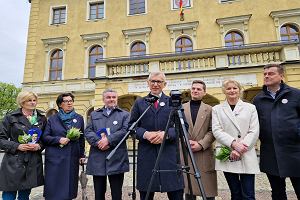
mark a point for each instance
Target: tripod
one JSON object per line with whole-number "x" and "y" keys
{"x": 182, "y": 133}
{"x": 131, "y": 131}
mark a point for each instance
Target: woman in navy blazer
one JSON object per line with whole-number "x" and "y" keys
{"x": 62, "y": 156}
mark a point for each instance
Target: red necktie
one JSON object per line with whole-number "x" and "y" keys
{"x": 156, "y": 104}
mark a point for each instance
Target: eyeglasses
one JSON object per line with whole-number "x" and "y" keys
{"x": 156, "y": 81}
{"x": 68, "y": 101}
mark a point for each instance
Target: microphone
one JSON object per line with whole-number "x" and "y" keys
{"x": 152, "y": 98}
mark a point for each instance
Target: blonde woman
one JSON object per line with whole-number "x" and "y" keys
{"x": 22, "y": 166}
{"x": 235, "y": 125}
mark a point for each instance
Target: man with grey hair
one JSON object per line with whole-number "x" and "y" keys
{"x": 107, "y": 128}
{"x": 278, "y": 107}
{"x": 150, "y": 132}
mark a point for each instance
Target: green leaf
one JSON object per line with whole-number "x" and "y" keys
{"x": 224, "y": 153}
{"x": 8, "y": 95}
{"x": 73, "y": 133}
{"x": 24, "y": 139}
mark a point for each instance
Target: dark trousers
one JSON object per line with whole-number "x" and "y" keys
{"x": 241, "y": 186}
{"x": 278, "y": 186}
{"x": 174, "y": 195}
{"x": 193, "y": 197}
{"x": 116, "y": 183}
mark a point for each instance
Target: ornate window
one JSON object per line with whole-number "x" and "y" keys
{"x": 56, "y": 63}
{"x": 138, "y": 49}
{"x": 59, "y": 15}
{"x": 183, "y": 44}
{"x": 289, "y": 32}
{"x": 233, "y": 38}
{"x": 185, "y": 4}
{"x": 95, "y": 53}
{"x": 96, "y": 10}
{"x": 137, "y": 7}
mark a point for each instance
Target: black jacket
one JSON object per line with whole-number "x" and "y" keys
{"x": 279, "y": 120}
{"x": 19, "y": 170}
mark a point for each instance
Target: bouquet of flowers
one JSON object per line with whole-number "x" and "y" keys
{"x": 72, "y": 134}
{"x": 224, "y": 153}
{"x": 103, "y": 132}
{"x": 24, "y": 139}
{"x": 31, "y": 137}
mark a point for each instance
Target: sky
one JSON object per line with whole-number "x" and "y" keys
{"x": 14, "y": 15}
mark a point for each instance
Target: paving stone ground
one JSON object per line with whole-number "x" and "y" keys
{"x": 263, "y": 190}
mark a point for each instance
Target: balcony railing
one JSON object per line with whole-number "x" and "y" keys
{"x": 184, "y": 65}
{"x": 249, "y": 55}
{"x": 254, "y": 58}
{"x": 128, "y": 69}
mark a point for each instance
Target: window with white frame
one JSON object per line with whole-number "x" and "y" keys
{"x": 136, "y": 7}
{"x": 185, "y": 4}
{"x": 287, "y": 24}
{"x": 137, "y": 41}
{"x": 234, "y": 30}
{"x": 58, "y": 15}
{"x": 96, "y": 10}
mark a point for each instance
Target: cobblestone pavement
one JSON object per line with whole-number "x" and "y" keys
{"x": 262, "y": 189}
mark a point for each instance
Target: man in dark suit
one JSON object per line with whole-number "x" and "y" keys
{"x": 150, "y": 133}
{"x": 278, "y": 108}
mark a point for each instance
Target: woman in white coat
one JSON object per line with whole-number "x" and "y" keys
{"x": 235, "y": 125}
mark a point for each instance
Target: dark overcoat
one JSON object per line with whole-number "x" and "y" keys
{"x": 279, "y": 120}
{"x": 155, "y": 120}
{"x": 62, "y": 163}
{"x": 20, "y": 170}
{"x": 117, "y": 122}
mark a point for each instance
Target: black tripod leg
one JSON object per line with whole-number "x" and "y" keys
{"x": 186, "y": 164}
{"x": 133, "y": 167}
{"x": 158, "y": 157}
{"x": 195, "y": 168}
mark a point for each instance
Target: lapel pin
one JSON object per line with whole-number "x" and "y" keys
{"x": 284, "y": 101}
{"x": 115, "y": 122}
{"x": 162, "y": 104}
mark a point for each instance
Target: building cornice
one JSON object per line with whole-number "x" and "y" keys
{"x": 137, "y": 31}
{"x": 285, "y": 13}
{"x": 183, "y": 26}
{"x": 94, "y": 36}
{"x": 234, "y": 20}
{"x": 57, "y": 40}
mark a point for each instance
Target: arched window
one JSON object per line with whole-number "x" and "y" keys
{"x": 56, "y": 63}
{"x": 95, "y": 53}
{"x": 233, "y": 38}
{"x": 289, "y": 32}
{"x": 183, "y": 44}
{"x": 138, "y": 49}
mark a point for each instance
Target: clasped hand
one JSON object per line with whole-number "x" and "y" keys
{"x": 29, "y": 147}
{"x": 239, "y": 149}
{"x": 154, "y": 137}
{"x": 103, "y": 144}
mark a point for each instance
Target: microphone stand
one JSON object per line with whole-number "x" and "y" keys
{"x": 131, "y": 131}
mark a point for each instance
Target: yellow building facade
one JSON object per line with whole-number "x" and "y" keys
{"x": 86, "y": 46}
